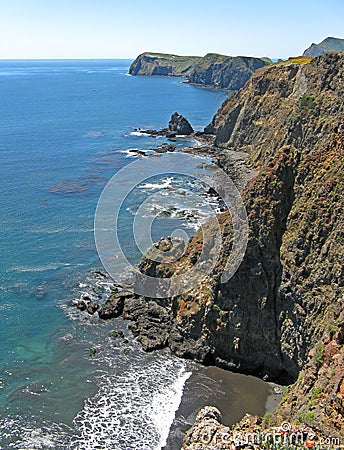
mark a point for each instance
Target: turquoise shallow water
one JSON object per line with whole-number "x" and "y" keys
{"x": 65, "y": 130}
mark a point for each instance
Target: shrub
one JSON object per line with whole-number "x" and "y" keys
{"x": 331, "y": 328}
{"x": 307, "y": 102}
{"x": 217, "y": 308}
{"x": 319, "y": 354}
{"x": 306, "y": 417}
{"x": 267, "y": 419}
{"x": 317, "y": 392}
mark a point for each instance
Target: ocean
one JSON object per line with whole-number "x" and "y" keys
{"x": 65, "y": 383}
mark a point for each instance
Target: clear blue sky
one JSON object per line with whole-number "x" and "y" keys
{"x": 123, "y": 29}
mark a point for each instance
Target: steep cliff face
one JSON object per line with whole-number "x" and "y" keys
{"x": 224, "y": 72}
{"x": 162, "y": 64}
{"x": 282, "y": 312}
{"x": 330, "y": 44}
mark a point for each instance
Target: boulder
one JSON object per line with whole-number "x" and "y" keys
{"x": 92, "y": 308}
{"x": 163, "y": 148}
{"x": 114, "y": 305}
{"x": 81, "y": 305}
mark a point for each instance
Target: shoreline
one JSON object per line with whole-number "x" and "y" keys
{"x": 234, "y": 405}
{"x": 234, "y": 394}
{"x": 246, "y": 400}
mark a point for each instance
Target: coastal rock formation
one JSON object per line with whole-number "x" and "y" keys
{"x": 163, "y": 148}
{"x": 281, "y": 315}
{"x": 151, "y": 322}
{"x": 330, "y": 44}
{"x": 251, "y": 432}
{"x": 162, "y": 64}
{"x": 179, "y": 125}
{"x": 213, "y": 70}
{"x": 225, "y": 72}
{"x": 114, "y": 305}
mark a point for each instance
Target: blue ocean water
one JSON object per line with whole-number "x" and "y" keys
{"x": 65, "y": 130}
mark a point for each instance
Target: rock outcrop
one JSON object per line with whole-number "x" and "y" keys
{"x": 162, "y": 64}
{"x": 114, "y": 305}
{"x": 251, "y": 432}
{"x": 281, "y": 314}
{"x": 179, "y": 125}
{"x": 213, "y": 70}
{"x": 330, "y": 44}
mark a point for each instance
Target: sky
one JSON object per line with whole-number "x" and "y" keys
{"x": 53, "y": 29}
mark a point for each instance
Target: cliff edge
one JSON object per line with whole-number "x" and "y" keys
{"x": 212, "y": 70}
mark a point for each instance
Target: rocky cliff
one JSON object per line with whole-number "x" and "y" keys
{"x": 281, "y": 315}
{"x": 162, "y": 64}
{"x": 224, "y": 72}
{"x": 330, "y": 44}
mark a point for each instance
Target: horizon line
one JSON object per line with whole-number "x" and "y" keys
{"x": 64, "y": 59}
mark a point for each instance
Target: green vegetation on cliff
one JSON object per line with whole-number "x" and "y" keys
{"x": 213, "y": 70}
{"x": 162, "y": 64}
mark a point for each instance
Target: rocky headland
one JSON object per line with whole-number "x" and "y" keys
{"x": 212, "y": 70}
{"x": 330, "y": 44}
{"x": 281, "y": 316}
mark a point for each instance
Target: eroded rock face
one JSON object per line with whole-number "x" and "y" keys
{"x": 151, "y": 322}
{"x": 317, "y": 398}
{"x": 92, "y": 308}
{"x": 230, "y": 73}
{"x": 179, "y": 125}
{"x": 163, "y": 148}
{"x": 218, "y": 71}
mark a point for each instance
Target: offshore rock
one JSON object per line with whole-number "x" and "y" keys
{"x": 179, "y": 125}
{"x": 163, "y": 148}
{"x": 92, "y": 308}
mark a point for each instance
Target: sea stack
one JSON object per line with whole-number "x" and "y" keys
{"x": 179, "y": 125}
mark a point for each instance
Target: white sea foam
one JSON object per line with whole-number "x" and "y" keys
{"x": 6, "y": 306}
{"x": 48, "y": 230}
{"x": 174, "y": 395}
{"x": 132, "y": 152}
{"x": 137, "y": 133}
{"x": 135, "y": 408}
{"x": 163, "y": 185}
{"x": 39, "y": 230}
